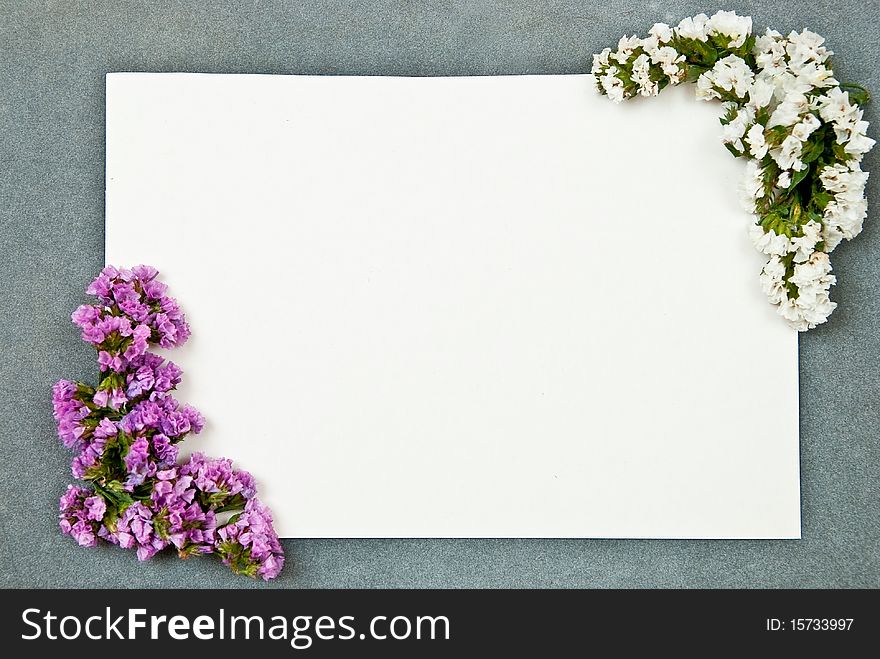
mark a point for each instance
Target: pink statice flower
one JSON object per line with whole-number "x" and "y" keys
{"x": 126, "y": 432}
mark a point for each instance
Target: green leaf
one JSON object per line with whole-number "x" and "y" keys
{"x": 839, "y": 152}
{"x": 797, "y": 177}
{"x": 694, "y": 72}
{"x": 812, "y": 150}
{"x": 762, "y": 116}
{"x": 736, "y": 152}
{"x": 820, "y": 199}
{"x": 776, "y": 134}
{"x": 770, "y": 220}
{"x": 857, "y": 94}
{"x": 84, "y": 390}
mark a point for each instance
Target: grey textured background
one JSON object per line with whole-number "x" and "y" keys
{"x": 53, "y": 57}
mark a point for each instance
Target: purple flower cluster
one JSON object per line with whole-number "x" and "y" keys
{"x": 183, "y": 510}
{"x": 147, "y": 315}
{"x": 71, "y": 410}
{"x": 148, "y": 424}
{"x": 81, "y": 515}
{"x": 126, "y": 433}
{"x": 151, "y": 373}
{"x": 250, "y": 541}
{"x": 218, "y": 479}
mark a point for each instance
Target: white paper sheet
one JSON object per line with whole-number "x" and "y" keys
{"x": 475, "y": 307}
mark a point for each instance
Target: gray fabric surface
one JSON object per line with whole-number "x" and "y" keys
{"x": 54, "y": 57}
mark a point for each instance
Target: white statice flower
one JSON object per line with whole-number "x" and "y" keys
{"x": 706, "y": 87}
{"x": 788, "y": 309}
{"x": 669, "y": 60}
{"x": 693, "y": 28}
{"x": 793, "y": 90}
{"x": 849, "y": 124}
{"x": 812, "y": 75}
{"x": 773, "y": 279}
{"x": 805, "y": 244}
{"x": 600, "y": 61}
{"x": 804, "y": 318}
{"x": 751, "y": 186}
{"x": 859, "y": 144}
{"x": 817, "y": 268}
{"x": 805, "y": 47}
{"x": 641, "y": 75}
{"x": 650, "y": 44}
{"x": 816, "y": 304}
{"x": 733, "y": 132}
{"x": 806, "y": 127}
{"x": 843, "y": 181}
{"x": 787, "y": 83}
{"x": 766, "y": 42}
{"x": 787, "y": 156}
{"x": 729, "y": 24}
{"x": 834, "y": 105}
{"x": 832, "y": 236}
{"x": 846, "y": 217}
{"x": 770, "y": 53}
{"x": 612, "y": 85}
{"x": 626, "y": 47}
{"x": 858, "y": 179}
{"x": 769, "y": 242}
{"x": 757, "y": 144}
{"x": 746, "y": 114}
{"x": 731, "y": 74}
{"x": 835, "y": 178}
{"x": 661, "y": 32}
{"x": 849, "y": 128}
{"x": 845, "y": 214}
{"x": 812, "y": 306}
{"x": 789, "y": 111}
{"x": 760, "y": 93}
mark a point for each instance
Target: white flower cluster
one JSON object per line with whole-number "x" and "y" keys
{"x": 845, "y": 213}
{"x": 813, "y": 278}
{"x": 729, "y": 76}
{"x": 784, "y": 110}
{"x": 639, "y": 66}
